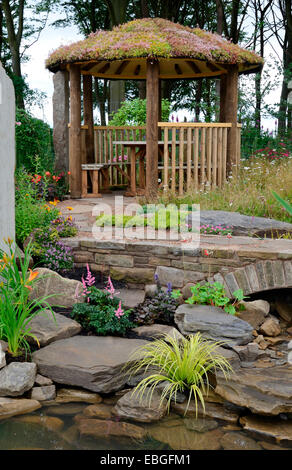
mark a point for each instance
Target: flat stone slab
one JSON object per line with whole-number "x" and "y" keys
{"x": 268, "y": 428}
{"x": 47, "y": 329}
{"x": 92, "y": 362}
{"x": 242, "y": 224}
{"x": 213, "y": 323}
{"x": 157, "y": 331}
{"x": 264, "y": 391}
{"x": 17, "y": 406}
{"x": 97, "y": 428}
{"x": 131, "y": 297}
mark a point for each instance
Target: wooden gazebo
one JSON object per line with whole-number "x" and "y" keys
{"x": 154, "y": 49}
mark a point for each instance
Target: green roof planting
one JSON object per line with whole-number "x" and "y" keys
{"x": 153, "y": 38}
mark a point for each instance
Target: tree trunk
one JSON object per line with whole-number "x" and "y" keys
{"x": 14, "y": 41}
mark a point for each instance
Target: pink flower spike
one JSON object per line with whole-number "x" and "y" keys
{"x": 119, "y": 312}
{"x": 90, "y": 279}
{"x": 110, "y": 288}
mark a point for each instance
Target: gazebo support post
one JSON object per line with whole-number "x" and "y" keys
{"x": 75, "y": 132}
{"x": 88, "y": 118}
{"x": 228, "y": 111}
{"x": 152, "y": 117}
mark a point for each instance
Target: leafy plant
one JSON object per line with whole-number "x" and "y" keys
{"x": 56, "y": 256}
{"x": 102, "y": 313}
{"x": 183, "y": 365}
{"x": 17, "y": 309}
{"x": 285, "y": 204}
{"x": 65, "y": 226}
{"x": 214, "y": 294}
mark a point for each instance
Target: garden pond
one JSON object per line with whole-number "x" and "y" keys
{"x": 57, "y": 427}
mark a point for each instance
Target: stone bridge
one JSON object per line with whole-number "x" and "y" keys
{"x": 252, "y": 264}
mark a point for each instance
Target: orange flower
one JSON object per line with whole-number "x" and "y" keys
{"x": 69, "y": 208}
{"x": 32, "y": 275}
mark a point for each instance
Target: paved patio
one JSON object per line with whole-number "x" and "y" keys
{"x": 82, "y": 213}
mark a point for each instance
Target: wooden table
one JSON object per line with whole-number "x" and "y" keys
{"x": 134, "y": 155}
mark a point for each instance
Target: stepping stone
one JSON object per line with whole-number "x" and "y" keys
{"x": 47, "y": 330}
{"x": 264, "y": 391}
{"x": 131, "y": 298}
{"x": 95, "y": 363}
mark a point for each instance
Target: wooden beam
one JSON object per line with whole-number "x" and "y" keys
{"x": 88, "y": 118}
{"x": 152, "y": 94}
{"x": 88, "y": 67}
{"x": 75, "y": 132}
{"x": 137, "y": 69}
{"x": 122, "y": 66}
{"x": 212, "y": 67}
{"x": 194, "y": 67}
{"x": 104, "y": 68}
{"x": 178, "y": 69}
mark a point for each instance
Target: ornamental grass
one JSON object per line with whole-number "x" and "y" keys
{"x": 249, "y": 192}
{"x": 183, "y": 366}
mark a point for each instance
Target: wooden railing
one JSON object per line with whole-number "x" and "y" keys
{"x": 194, "y": 155}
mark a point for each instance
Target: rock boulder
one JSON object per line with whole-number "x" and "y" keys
{"x": 213, "y": 323}
{"x": 17, "y": 378}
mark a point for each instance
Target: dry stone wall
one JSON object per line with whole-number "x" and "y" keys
{"x": 7, "y": 157}
{"x": 137, "y": 263}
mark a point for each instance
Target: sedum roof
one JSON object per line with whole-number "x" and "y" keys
{"x": 125, "y": 49}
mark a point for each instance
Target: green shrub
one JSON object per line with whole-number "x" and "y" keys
{"x": 31, "y": 210}
{"x": 34, "y": 144}
{"x": 133, "y": 113}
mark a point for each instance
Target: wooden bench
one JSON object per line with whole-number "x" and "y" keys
{"x": 97, "y": 172}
